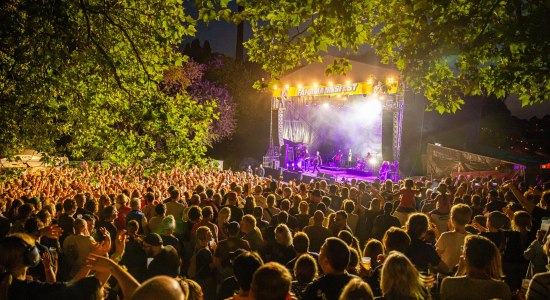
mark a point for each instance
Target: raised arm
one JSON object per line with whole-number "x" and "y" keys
{"x": 106, "y": 267}
{"x": 528, "y": 205}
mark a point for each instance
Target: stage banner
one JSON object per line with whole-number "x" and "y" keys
{"x": 356, "y": 88}
{"x": 442, "y": 161}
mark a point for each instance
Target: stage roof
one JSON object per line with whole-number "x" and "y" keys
{"x": 315, "y": 73}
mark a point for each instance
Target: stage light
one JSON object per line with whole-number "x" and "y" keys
{"x": 372, "y": 161}
{"x": 326, "y": 105}
{"x": 315, "y": 84}
{"x": 390, "y": 80}
{"x": 348, "y": 82}
{"x": 373, "y": 107}
{"x": 275, "y": 87}
{"x": 369, "y": 81}
{"x": 330, "y": 83}
{"x": 287, "y": 86}
{"x": 438, "y": 144}
{"x": 299, "y": 85}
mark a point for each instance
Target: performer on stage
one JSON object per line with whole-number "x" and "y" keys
{"x": 384, "y": 172}
{"x": 368, "y": 165}
{"x": 350, "y": 158}
{"x": 307, "y": 159}
{"x": 298, "y": 157}
{"x": 338, "y": 158}
{"x": 317, "y": 160}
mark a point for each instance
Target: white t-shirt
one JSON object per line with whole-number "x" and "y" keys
{"x": 261, "y": 201}
{"x": 449, "y": 247}
{"x": 441, "y": 221}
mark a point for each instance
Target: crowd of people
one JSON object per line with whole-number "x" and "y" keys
{"x": 95, "y": 232}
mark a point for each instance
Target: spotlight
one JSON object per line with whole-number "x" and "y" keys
{"x": 438, "y": 144}
{"x": 315, "y": 84}
{"x": 299, "y": 85}
{"x": 373, "y": 161}
{"x": 373, "y": 107}
{"x": 287, "y": 86}
{"x": 326, "y": 105}
{"x": 330, "y": 83}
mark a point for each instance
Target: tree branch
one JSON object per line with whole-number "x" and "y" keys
{"x": 134, "y": 48}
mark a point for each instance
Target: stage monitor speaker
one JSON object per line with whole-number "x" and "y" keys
{"x": 330, "y": 179}
{"x": 387, "y": 135}
{"x": 288, "y": 176}
{"x": 308, "y": 178}
{"x": 274, "y": 173}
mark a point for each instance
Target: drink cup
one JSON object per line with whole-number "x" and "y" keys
{"x": 366, "y": 263}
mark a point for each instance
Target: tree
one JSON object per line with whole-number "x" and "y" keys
{"x": 445, "y": 49}
{"x": 82, "y": 78}
{"x": 253, "y": 107}
{"x": 190, "y": 78}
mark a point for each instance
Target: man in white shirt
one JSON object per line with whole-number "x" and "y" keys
{"x": 449, "y": 245}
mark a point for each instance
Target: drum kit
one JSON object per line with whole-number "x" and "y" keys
{"x": 365, "y": 163}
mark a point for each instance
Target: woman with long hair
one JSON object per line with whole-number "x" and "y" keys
{"x": 420, "y": 252}
{"x": 224, "y": 215}
{"x": 479, "y": 274}
{"x": 401, "y": 280}
{"x": 283, "y": 249}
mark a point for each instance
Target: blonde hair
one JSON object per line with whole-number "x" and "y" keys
{"x": 400, "y": 279}
{"x": 225, "y": 211}
{"x": 282, "y": 228}
{"x": 168, "y": 224}
{"x": 121, "y": 199}
{"x": 356, "y": 289}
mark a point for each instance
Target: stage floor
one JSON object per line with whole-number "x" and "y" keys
{"x": 340, "y": 174}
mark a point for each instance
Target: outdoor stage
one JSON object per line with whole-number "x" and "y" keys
{"x": 330, "y": 174}
{"x": 352, "y": 121}
{"x": 342, "y": 174}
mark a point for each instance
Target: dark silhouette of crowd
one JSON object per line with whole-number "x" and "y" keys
{"x": 106, "y": 232}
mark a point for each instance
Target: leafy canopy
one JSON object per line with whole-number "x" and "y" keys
{"x": 82, "y": 78}
{"x": 445, "y": 49}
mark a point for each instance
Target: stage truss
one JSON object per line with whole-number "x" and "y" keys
{"x": 284, "y": 102}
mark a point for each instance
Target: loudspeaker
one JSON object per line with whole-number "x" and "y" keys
{"x": 308, "y": 178}
{"x": 282, "y": 157}
{"x": 277, "y": 126}
{"x": 288, "y": 176}
{"x": 274, "y": 173}
{"x": 330, "y": 179}
{"x": 387, "y": 135}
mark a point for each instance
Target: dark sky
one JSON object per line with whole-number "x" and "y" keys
{"x": 223, "y": 37}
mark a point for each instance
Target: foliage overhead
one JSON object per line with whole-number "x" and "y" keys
{"x": 445, "y": 49}
{"x": 82, "y": 78}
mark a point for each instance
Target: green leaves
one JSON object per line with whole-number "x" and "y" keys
{"x": 500, "y": 47}
{"x": 80, "y": 78}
